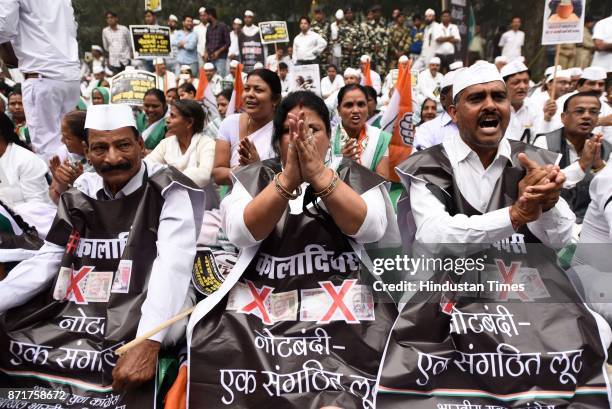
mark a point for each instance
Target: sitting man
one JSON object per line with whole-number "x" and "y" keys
{"x": 213, "y": 78}
{"x": 582, "y": 153}
{"x": 449, "y": 346}
{"x": 116, "y": 264}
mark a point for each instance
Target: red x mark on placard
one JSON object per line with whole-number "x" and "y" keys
{"x": 508, "y": 276}
{"x": 259, "y": 298}
{"x": 74, "y": 285}
{"x": 338, "y": 301}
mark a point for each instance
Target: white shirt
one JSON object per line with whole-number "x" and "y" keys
{"x": 262, "y": 138}
{"x": 427, "y": 84}
{"x": 200, "y": 31}
{"x": 512, "y": 42}
{"x": 272, "y": 62}
{"x": 597, "y": 224}
{"x": 234, "y": 48}
{"x": 197, "y": 161}
{"x": 376, "y": 81}
{"x": 337, "y": 47}
{"x": 215, "y": 84}
{"x": 22, "y": 177}
{"x": 328, "y": 87}
{"x": 429, "y": 45}
{"x": 441, "y": 30}
{"x": 285, "y": 84}
{"x": 232, "y": 215}
{"x": 176, "y": 249}
{"x": 251, "y": 30}
{"x": 434, "y": 132}
{"x": 435, "y": 225}
{"x": 166, "y": 81}
{"x": 43, "y": 35}
{"x": 603, "y": 31}
{"x": 307, "y": 47}
{"x": 524, "y": 118}
{"x": 573, "y": 172}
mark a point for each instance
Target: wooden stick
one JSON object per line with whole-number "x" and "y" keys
{"x": 554, "y": 81}
{"x": 147, "y": 335}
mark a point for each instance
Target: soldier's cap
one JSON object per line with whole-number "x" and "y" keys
{"x": 318, "y": 9}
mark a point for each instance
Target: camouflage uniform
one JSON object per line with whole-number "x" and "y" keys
{"x": 399, "y": 41}
{"x": 376, "y": 44}
{"x": 350, "y": 38}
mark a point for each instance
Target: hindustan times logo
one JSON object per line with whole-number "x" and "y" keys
{"x": 411, "y": 265}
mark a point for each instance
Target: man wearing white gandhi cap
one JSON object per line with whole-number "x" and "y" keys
{"x": 158, "y": 212}
{"x": 476, "y": 158}
{"x": 523, "y": 113}
{"x": 374, "y": 76}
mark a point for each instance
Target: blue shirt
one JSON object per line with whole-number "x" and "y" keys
{"x": 416, "y": 34}
{"x": 189, "y": 53}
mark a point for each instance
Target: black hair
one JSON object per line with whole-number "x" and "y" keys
{"x": 507, "y": 77}
{"x": 75, "y": 120}
{"x": 305, "y": 99}
{"x": 370, "y": 93}
{"x": 211, "y": 11}
{"x": 447, "y": 11}
{"x": 188, "y": 88}
{"x": 417, "y": 16}
{"x": 581, "y": 82}
{"x": 226, "y": 93}
{"x": 282, "y": 66}
{"x": 332, "y": 66}
{"x": 186, "y": 16}
{"x": 150, "y": 12}
{"x": 608, "y": 82}
{"x": 581, "y": 94}
{"x": 157, "y": 93}
{"x": 344, "y": 90}
{"x": 270, "y": 78}
{"x": 423, "y": 107}
{"x": 513, "y": 17}
{"x": 192, "y": 110}
{"x": 110, "y": 13}
{"x": 7, "y": 131}
{"x": 171, "y": 89}
{"x": 304, "y": 18}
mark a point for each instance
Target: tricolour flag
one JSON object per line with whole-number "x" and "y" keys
{"x": 398, "y": 120}
{"x": 235, "y": 104}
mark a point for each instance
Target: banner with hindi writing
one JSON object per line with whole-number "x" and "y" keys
{"x": 273, "y": 32}
{"x": 563, "y": 21}
{"x": 129, "y": 87}
{"x": 150, "y": 41}
{"x": 299, "y": 323}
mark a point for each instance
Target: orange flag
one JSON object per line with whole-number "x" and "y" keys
{"x": 367, "y": 77}
{"x": 177, "y": 395}
{"x": 235, "y": 104}
{"x": 398, "y": 120}
{"x": 202, "y": 85}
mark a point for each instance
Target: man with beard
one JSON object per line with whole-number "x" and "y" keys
{"x": 582, "y": 153}
{"x": 473, "y": 190}
{"x": 120, "y": 252}
{"x": 522, "y": 113}
{"x": 172, "y": 24}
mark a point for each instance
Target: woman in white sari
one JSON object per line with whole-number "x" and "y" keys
{"x": 246, "y": 137}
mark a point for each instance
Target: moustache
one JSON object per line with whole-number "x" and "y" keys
{"x": 120, "y": 166}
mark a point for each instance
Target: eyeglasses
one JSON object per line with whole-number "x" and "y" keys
{"x": 582, "y": 111}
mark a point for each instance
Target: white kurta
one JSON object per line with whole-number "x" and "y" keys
{"x": 434, "y": 132}
{"x": 435, "y": 225}
{"x": 427, "y": 84}
{"x": 179, "y": 223}
{"x": 524, "y": 118}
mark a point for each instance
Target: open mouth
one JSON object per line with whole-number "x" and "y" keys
{"x": 250, "y": 104}
{"x": 355, "y": 118}
{"x": 584, "y": 125}
{"x": 489, "y": 122}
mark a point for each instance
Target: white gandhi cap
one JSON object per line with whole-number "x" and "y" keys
{"x": 435, "y": 60}
{"x": 513, "y": 67}
{"x": 339, "y": 14}
{"x": 109, "y": 117}
{"x": 478, "y": 73}
{"x": 209, "y": 66}
{"x": 593, "y": 74}
{"x": 249, "y": 13}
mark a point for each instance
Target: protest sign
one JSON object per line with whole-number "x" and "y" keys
{"x": 129, "y": 87}
{"x": 153, "y": 5}
{"x": 305, "y": 78}
{"x": 150, "y": 41}
{"x": 273, "y": 32}
{"x": 563, "y": 22}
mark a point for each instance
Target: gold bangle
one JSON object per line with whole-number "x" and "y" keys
{"x": 599, "y": 168}
{"x": 283, "y": 191}
{"x": 330, "y": 188}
